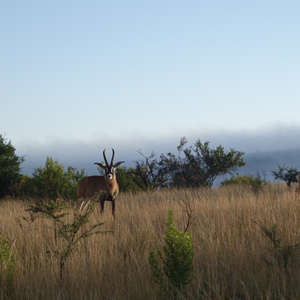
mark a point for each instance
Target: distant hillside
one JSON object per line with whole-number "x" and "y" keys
{"x": 267, "y": 161}
{"x": 255, "y": 162}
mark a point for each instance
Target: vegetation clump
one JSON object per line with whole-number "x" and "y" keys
{"x": 52, "y": 181}
{"x": 255, "y": 182}
{"x": 280, "y": 253}
{"x": 288, "y": 175}
{"x": 10, "y": 166}
{"x": 68, "y": 233}
{"x": 172, "y": 268}
{"x": 199, "y": 166}
{"x": 7, "y": 265}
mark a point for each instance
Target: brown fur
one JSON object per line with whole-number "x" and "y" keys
{"x": 100, "y": 188}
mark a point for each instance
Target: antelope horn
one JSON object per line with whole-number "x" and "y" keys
{"x": 113, "y": 156}
{"x": 105, "y": 157}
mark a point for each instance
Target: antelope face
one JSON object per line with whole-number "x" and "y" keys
{"x": 109, "y": 172}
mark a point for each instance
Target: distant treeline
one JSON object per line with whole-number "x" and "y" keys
{"x": 193, "y": 166}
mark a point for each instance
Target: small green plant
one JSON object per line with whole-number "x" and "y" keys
{"x": 172, "y": 268}
{"x": 279, "y": 254}
{"x": 7, "y": 265}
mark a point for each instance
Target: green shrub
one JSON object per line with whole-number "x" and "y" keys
{"x": 52, "y": 181}
{"x": 127, "y": 180}
{"x": 172, "y": 268}
{"x": 255, "y": 182}
{"x": 10, "y": 166}
{"x": 7, "y": 265}
{"x": 199, "y": 165}
{"x": 28, "y": 186}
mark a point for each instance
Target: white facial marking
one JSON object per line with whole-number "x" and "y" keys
{"x": 109, "y": 176}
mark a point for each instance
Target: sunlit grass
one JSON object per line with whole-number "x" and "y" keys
{"x": 226, "y": 241}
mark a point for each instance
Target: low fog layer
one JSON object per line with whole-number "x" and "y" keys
{"x": 263, "y": 150}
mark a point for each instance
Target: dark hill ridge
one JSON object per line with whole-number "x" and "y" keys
{"x": 268, "y": 161}
{"x": 255, "y": 162}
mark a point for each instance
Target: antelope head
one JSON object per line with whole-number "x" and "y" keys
{"x": 109, "y": 168}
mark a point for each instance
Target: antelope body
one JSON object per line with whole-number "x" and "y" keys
{"x": 102, "y": 188}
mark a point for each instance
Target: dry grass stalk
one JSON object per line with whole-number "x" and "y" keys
{"x": 226, "y": 241}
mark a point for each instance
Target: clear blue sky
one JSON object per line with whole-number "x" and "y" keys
{"x": 94, "y": 73}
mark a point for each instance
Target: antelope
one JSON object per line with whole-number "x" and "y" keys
{"x": 297, "y": 192}
{"x": 88, "y": 187}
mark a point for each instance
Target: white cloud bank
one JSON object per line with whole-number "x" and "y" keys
{"x": 83, "y": 153}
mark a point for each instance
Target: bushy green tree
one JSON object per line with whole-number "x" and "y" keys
{"x": 149, "y": 174}
{"x": 172, "y": 268}
{"x": 288, "y": 175}
{"x": 200, "y": 165}
{"x": 52, "y": 181}
{"x": 10, "y": 166}
{"x": 127, "y": 180}
{"x": 28, "y": 185}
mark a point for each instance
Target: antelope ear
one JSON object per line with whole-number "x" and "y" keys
{"x": 101, "y": 165}
{"x": 118, "y": 164}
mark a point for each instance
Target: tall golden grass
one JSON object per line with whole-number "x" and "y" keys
{"x": 227, "y": 245}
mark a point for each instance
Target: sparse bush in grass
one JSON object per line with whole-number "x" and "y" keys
{"x": 7, "y": 266}
{"x": 66, "y": 230}
{"x": 280, "y": 254}
{"x": 69, "y": 231}
{"x": 286, "y": 174}
{"x": 172, "y": 268}
{"x": 255, "y": 182}
{"x": 51, "y": 209}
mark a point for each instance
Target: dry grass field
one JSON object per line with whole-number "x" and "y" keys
{"x": 227, "y": 245}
